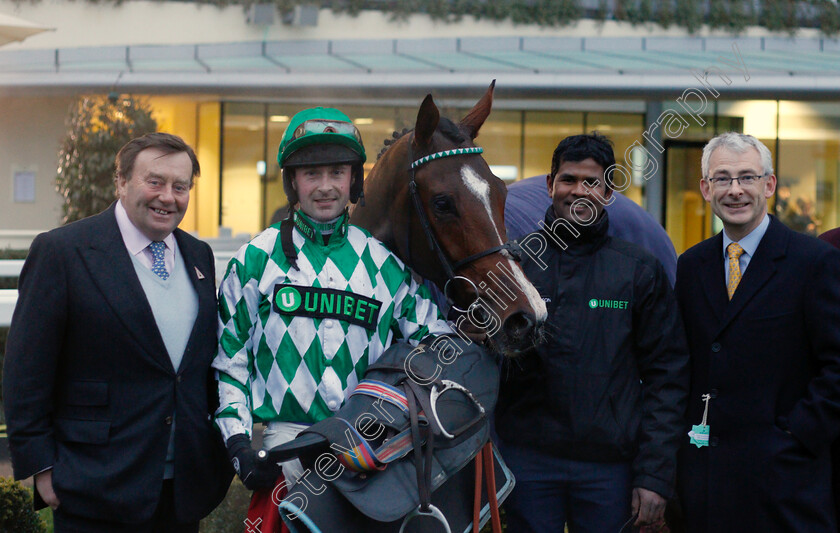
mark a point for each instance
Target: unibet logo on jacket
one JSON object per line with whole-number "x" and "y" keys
{"x": 596, "y": 303}
{"x": 316, "y": 302}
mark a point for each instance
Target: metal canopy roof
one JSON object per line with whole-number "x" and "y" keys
{"x": 524, "y": 66}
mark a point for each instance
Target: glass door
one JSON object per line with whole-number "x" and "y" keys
{"x": 688, "y": 219}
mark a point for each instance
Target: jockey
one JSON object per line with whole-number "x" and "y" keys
{"x": 310, "y": 302}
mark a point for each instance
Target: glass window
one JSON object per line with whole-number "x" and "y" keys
{"x": 543, "y": 130}
{"x": 243, "y": 145}
{"x": 623, "y": 129}
{"x": 501, "y": 138}
{"x": 808, "y": 166}
{"x": 687, "y": 216}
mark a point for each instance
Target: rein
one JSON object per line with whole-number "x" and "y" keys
{"x": 448, "y": 267}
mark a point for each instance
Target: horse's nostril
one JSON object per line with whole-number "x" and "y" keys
{"x": 519, "y": 324}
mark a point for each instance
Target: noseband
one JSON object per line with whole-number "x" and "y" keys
{"x": 449, "y": 268}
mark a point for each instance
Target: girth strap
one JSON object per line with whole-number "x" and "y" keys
{"x": 422, "y": 461}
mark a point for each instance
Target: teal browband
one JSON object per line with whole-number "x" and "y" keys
{"x": 446, "y": 153}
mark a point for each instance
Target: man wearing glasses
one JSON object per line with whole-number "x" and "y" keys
{"x": 307, "y": 305}
{"x": 761, "y": 305}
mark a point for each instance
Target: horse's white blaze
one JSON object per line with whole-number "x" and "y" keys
{"x": 481, "y": 189}
{"x": 536, "y": 303}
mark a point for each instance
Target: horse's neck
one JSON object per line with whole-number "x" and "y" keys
{"x": 381, "y": 196}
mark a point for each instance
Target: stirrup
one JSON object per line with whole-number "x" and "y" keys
{"x": 451, "y": 385}
{"x": 433, "y": 511}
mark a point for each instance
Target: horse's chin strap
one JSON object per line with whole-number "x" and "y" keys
{"x": 512, "y": 247}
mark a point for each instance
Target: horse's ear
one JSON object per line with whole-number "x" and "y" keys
{"x": 479, "y": 113}
{"x": 427, "y": 121}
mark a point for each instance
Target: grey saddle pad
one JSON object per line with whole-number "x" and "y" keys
{"x": 388, "y": 495}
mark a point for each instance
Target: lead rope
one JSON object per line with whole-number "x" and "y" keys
{"x": 485, "y": 469}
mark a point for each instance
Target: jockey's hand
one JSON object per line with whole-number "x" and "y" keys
{"x": 254, "y": 474}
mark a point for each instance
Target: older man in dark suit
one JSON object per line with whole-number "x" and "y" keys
{"x": 107, "y": 383}
{"x": 761, "y": 306}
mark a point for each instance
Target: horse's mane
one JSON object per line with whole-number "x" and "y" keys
{"x": 449, "y": 129}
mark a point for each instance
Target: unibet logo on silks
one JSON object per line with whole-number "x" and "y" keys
{"x": 595, "y": 303}
{"x": 287, "y": 299}
{"x": 315, "y": 302}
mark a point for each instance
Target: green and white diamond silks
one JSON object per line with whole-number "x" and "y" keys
{"x": 273, "y": 366}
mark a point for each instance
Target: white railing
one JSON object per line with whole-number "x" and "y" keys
{"x": 8, "y": 298}
{"x": 10, "y": 268}
{"x": 223, "y": 249}
{"x": 18, "y": 239}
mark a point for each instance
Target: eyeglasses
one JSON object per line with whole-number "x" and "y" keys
{"x": 745, "y": 180}
{"x": 326, "y": 126}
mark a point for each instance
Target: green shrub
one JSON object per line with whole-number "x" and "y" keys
{"x": 731, "y": 15}
{"x": 829, "y": 17}
{"x": 600, "y": 14}
{"x": 664, "y": 13}
{"x": 689, "y": 16}
{"x": 16, "y": 513}
{"x": 779, "y": 15}
{"x": 639, "y": 11}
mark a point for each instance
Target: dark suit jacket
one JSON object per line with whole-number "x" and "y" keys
{"x": 90, "y": 389}
{"x": 770, "y": 358}
{"x": 832, "y": 237}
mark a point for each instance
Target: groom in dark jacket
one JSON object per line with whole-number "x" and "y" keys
{"x": 590, "y": 421}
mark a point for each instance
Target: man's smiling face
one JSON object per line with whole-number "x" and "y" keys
{"x": 740, "y": 207}
{"x": 158, "y": 192}
{"x": 323, "y": 191}
{"x": 573, "y": 181}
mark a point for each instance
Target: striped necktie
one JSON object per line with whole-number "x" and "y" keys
{"x": 734, "y": 251}
{"x": 159, "y": 266}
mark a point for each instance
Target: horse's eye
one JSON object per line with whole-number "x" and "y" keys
{"x": 444, "y": 205}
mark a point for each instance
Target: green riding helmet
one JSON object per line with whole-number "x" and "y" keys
{"x": 321, "y": 136}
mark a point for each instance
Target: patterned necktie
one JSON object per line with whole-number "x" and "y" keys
{"x": 159, "y": 266}
{"x": 734, "y": 252}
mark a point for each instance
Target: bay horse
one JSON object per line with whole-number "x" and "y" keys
{"x": 433, "y": 200}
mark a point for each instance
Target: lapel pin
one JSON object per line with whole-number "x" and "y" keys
{"x": 198, "y": 273}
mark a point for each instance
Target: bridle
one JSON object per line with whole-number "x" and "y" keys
{"x": 449, "y": 268}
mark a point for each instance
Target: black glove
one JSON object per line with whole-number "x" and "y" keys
{"x": 254, "y": 474}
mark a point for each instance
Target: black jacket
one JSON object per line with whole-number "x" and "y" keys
{"x": 770, "y": 360}
{"x": 90, "y": 389}
{"x": 609, "y": 381}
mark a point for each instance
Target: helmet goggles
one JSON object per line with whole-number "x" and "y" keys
{"x": 318, "y": 126}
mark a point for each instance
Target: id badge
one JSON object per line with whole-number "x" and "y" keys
{"x": 699, "y": 435}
